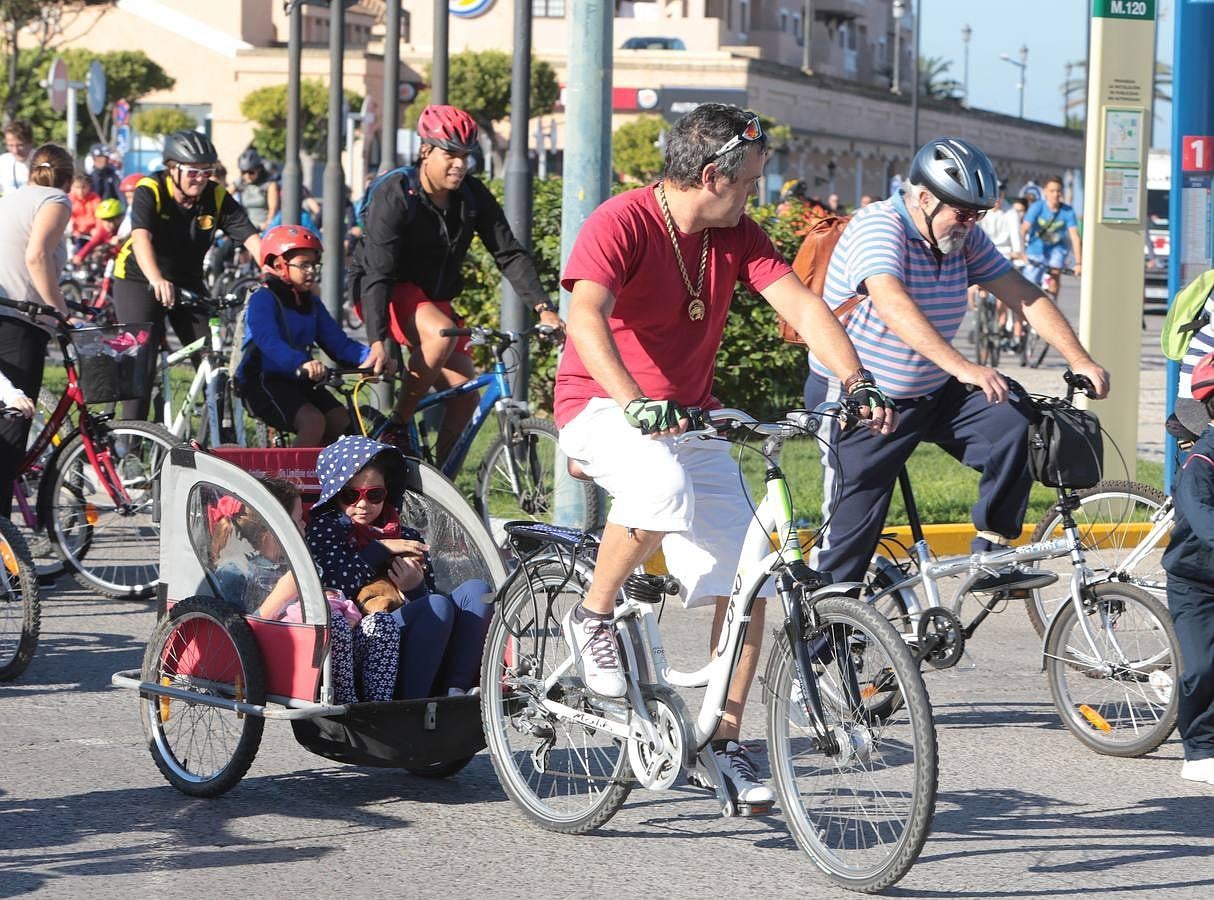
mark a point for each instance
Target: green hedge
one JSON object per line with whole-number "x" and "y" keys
{"x": 755, "y": 370}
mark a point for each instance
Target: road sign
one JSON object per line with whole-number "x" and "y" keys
{"x": 57, "y": 83}
{"x": 407, "y": 92}
{"x": 122, "y": 139}
{"x": 122, "y": 113}
{"x": 95, "y": 88}
{"x": 1124, "y": 9}
{"x": 1197, "y": 153}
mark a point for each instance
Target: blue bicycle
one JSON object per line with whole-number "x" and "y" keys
{"x": 517, "y": 477}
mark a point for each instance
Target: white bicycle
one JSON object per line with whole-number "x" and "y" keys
{"x": 850, "y": 731}
{"x": 211, "y": 412}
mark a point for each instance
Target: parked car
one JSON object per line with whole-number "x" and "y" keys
{"x": 653, "y": 43}
{"x": 1158, "y": 239}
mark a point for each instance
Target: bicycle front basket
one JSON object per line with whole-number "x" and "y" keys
{"x": 114, "y": 362}
{"x": 1065, "y": 447}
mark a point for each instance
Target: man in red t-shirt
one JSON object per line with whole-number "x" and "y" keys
{"x": 652, "y": 275}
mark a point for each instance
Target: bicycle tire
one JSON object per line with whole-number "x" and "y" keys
{"x": 578, "y": 760}
{"x": 47, "y": 563}
{"x": 534, "y": 443}
{"x": 204, "y": 646}
{"x": 20, "y": 605}
{"x": 87, "y": 530}
{"x": 1143, "y": 691}
{"x": 981, "y": 334}
{"x": 1109, "y": 503}
{"x": 815, "y": 789}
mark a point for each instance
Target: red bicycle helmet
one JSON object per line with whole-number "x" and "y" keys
{"x": 447, "y": 127}
{"x": 284, "y": 238}
{"x": 1202, "y": 383}
{"x": 129, "y": 183}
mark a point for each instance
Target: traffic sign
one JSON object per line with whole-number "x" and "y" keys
{"x": 122, "y": 113}
{"x": 57, "y": 84}
{"x": 122, "y": 139}
{"x": 1124, "y": 9}
{"x": 95, "y": 88}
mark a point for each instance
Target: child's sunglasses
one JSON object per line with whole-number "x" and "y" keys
{"x": 349, "y": 495}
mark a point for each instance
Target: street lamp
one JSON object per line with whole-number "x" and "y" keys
{"x": 966, "y": 34}
{"x": 898, "y": 11}
{"x": 1066, "y": 95}
{"x": 1022, "y": 64}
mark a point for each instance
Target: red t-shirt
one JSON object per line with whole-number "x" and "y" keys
{"x": 625, "y": 247}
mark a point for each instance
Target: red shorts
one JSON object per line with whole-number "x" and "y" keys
{"x": 403, "y": 302}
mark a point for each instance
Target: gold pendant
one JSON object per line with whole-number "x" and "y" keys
{"x": 695, "y": 309}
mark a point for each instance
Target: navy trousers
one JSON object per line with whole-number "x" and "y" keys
{"x": 1192, "y": 608}
{"x": 441, "y": 641}
{"x": 861, "y": 468}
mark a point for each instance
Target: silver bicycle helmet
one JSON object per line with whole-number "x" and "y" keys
{"x": 189, "y": 147}
{"x": 250, "y": 160}
{"x": 957, "y": 172}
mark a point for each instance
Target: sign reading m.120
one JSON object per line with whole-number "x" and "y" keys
{"x": 1124, "y": 9}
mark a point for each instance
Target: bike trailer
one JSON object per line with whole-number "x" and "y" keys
{"x": 218, "y": 663}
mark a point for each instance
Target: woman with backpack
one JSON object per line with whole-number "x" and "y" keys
{"x": 418, "y": 224}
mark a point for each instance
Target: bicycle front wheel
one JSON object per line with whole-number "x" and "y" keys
{"x": 862, "y": 812}
{"x": 1120, "y": 699}
{"x": 1113, "y": 519}
{"x": 20, "y": 608}
{"x": 517, "y": 481}
{"x": 564, "y": 776}
{"x": 111, "y": 544}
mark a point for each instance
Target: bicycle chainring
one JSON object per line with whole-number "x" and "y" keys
{"x": 657, "y": 768}
{"x": 941, "y": 638}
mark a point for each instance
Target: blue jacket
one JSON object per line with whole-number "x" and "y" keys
{"x": 1190, "y": 553}
{"x": 281, "y": 329}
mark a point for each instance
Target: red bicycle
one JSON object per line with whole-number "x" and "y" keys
{"x": 88, "y": 493}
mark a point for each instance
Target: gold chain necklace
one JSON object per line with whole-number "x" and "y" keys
{"x": 695, "y": 307}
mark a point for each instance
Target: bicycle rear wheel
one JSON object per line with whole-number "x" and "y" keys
{"x": 20, "y": 607}
{"x": 47, "y": 563}
{"x": 517, "y": 481}
{"x": 862, "y": 813}
{"x": 1123, "y": 700}
{"x": 113, "y": 548}
{"x": 564, "y": 776}
{"x": 1113, "y": 518}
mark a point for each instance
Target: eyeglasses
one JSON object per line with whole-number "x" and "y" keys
{"x": 196, "y": 174}
{"x": 963, "y": 216}
{"x": 350, "y": 495}
{"x": 752, "y": 131}
{"x": 306, "y": 268}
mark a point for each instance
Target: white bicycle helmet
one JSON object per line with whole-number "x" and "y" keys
{"x": 957, "y": 172}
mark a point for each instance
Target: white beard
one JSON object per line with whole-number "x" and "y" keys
{"x": 953, "y": 241}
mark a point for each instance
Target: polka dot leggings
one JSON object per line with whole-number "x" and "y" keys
{"x": 364, "y": 658}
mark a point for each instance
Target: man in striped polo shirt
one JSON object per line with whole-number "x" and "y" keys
{"x": 912, "y": 258}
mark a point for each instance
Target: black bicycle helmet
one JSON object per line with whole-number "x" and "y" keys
{"x": 250, "y": 160}
{"x": 190, "y": 147}
{"x": 957, "y": 172}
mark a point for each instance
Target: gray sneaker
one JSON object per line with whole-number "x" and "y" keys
{"x": 592, "y": 641}
{"x": 739, "y": 770}
{"x": 1014, "y": 578}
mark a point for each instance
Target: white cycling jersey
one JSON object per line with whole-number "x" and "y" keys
{"x": 1003, "y": 228}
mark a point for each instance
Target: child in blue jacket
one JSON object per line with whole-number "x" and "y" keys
{"x": 284, "y": 320}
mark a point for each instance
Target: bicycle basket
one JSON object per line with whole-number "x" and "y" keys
{"x": 114, "y": 362}
{"x": 1065, "y": 446}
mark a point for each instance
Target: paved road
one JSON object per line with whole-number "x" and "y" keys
{"x": 1023, "y": 810}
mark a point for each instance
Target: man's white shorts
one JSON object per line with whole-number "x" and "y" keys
{"x": 691, "y": 490}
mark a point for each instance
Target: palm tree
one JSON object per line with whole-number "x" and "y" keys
{"x": 932, "y": 80}
{"x": 1074, "y": 91}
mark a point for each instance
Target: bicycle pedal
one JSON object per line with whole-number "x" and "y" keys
{"x": 747, "y": 810}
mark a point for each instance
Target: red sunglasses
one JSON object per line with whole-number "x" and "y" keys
{"x": 351, "y": 495}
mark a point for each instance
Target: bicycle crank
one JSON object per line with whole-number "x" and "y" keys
{"x": 656, "y": 765}
{"x": 941, "y": 639}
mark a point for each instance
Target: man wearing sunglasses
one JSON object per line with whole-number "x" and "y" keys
{"x": 910, "y": 260}
{"x": 174, "y": 217}
{"x": 653, "y": 274}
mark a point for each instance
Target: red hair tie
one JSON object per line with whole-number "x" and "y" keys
{"x": 225, "y": 507}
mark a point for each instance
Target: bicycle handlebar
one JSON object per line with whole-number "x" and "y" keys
{"x": 797, "y": 421}
{"x": 336, "y": 374}
{"x": 190, "y": 298}
{"x": 32, "y": 308}
{"x": 481, "y": 335}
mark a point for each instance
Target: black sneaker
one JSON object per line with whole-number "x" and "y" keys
{"x": 1014, "y": 578}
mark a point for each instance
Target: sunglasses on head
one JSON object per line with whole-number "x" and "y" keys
{"x": 751, "y": 132}
{"x": 351, "y": 495}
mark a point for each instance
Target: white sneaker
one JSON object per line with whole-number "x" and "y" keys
{"x": 592, "y": 640}
{"x": 1198, "y": 770}
{"x": 739, "y": 770}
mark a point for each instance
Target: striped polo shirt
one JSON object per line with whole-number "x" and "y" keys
{"x": 881, "y": 239}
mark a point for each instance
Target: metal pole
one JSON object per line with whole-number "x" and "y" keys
{"x": 335, "y": 182}
{"x": 438, "y": 67}
{"x": 518, "y": 185}
{"x": 292, "y": 171}
{"x": 807, "y": 26}
{"x": 390, "y": 108}
{"x": 915, "y": 86}
{"x": 71, "y": 119}
{"x": 587, "y": 169}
